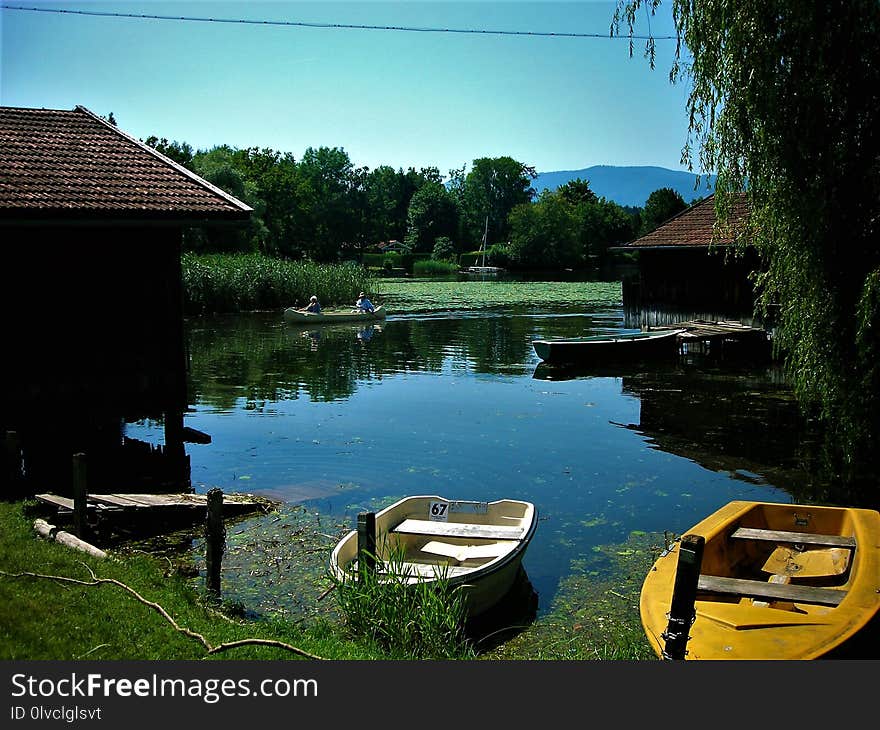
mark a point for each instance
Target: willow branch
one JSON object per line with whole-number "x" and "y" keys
{"x": 95, "y": 581}
{"x": 262, "y": 642}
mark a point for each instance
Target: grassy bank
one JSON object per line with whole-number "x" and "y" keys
{"x": 58, "y": 603}
{"x": 217, "y": 283}
{"x": 47, "y": 618}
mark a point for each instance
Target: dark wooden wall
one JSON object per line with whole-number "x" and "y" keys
{"x": 690, "y": 283}
{"x": 94, "y": 319}
{"x": 93, "y": 336}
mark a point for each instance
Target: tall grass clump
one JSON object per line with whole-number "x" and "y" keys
{"x": 218, "y": 283}
{"x": 432, "y": 267}
{"x": 421, "y": 620}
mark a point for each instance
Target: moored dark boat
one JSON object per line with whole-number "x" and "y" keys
{"x": 598, "y": 349}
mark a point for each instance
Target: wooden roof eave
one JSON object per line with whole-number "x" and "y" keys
{"x": 672, "y": 246}
{"x": 119, "y": 219}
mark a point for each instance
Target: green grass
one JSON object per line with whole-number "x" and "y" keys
{"x": 42, "y": 618}
{"x": 217, "y": 283}
{"x": 593, "y": 617}
{"x": 431, "y": 267}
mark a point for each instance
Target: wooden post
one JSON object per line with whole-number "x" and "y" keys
{"x": 215, "y": 534}
{"x": 366, "y": 542}
{"x": 684, "y": 593}
{"x": 80, "y": 496}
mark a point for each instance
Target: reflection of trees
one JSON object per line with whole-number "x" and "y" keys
{"x": 728, "y": 421}
{"x": 256, "y": 358}
{"x": 726, "y": 417}
{"x": 497, "y": 343}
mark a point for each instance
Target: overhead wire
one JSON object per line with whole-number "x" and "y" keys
{"x": 347, "y": 26}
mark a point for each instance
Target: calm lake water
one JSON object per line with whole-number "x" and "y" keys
{"x": 456, "y": 403}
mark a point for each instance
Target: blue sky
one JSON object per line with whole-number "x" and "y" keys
{"x": 387, "y": 97}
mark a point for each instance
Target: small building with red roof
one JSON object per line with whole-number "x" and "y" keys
{"x": 92, "y": 221}
{"x": 691, "y": 267}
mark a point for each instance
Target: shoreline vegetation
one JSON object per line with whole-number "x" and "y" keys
{"x": 226, "y": 283}
{"x": 232, "y": 283}
{"x": 62, "y": 604}
{"x": 58, "y": 603}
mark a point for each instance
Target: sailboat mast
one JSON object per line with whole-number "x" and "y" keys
{"x": 485, "y": 236}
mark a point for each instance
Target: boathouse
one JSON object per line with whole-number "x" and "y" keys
{"x": 92, "y": 221}
{"x": 687, "y": 270}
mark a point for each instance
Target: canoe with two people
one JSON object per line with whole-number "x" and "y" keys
{"x": 364, "y": 309}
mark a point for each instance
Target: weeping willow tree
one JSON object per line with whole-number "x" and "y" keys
{"x": 783, "y": 104}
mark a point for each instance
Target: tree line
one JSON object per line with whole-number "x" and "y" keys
{"x": 325, "y": 209}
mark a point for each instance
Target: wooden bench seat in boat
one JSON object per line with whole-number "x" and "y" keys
{"x": 460, "y": 529}
{"x": 429, "y": 570}
{"x": 462, "y": 553}
{"x": 779, "y": 579}
{"x": 800, "y": 538}
{"x": 773, "y": 591}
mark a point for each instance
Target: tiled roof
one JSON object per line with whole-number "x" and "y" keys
{"x": 694, "y": 226}
{"x": 72, "y": 163}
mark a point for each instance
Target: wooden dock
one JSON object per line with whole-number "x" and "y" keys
{"x": 156, "y": 504}
{"x": 701, "y": 329}
{"x": 705, "y": 335}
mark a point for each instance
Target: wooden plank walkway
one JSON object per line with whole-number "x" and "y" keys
{"x": 699, "y": 329}
{"x": 233, "y": 504}
{"x": 709, "y": 336}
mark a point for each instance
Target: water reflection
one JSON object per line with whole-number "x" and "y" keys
{"x": 509, "y": 617}
{"x": 346, "y": 418}
{"x": 712, "y": 412}
{"x": 734, "y": 416}
{"x": 259, "y": 357}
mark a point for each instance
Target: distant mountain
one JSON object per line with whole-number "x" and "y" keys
{"x": 629, "y": 185}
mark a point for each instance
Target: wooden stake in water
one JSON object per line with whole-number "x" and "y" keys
{"x": 215, "y": 534}
{"x": 366, "y": 542}
{"x": 684, "y": 594}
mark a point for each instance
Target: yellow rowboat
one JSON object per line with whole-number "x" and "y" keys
{"x": 774, "y": 581}
{"x": 476, "y": 545}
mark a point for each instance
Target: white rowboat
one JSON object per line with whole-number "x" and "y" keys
{"x": 476, "y": 545}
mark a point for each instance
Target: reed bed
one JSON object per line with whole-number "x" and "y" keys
{"x": 220, "y": 283}
{"x": 431, "y": 267}
{"x": 421, "y": 620}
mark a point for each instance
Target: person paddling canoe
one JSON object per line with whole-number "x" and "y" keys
{"x": 314, "y": 305}
{"x": 364, "y": 304}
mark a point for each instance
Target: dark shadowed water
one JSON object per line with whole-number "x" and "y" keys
{"x": 347, "y": 418}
